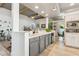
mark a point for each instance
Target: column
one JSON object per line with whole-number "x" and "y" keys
{"x": 17, "y": 37}
{"x": 15, "y": 17}
{"x": 47, "y": 20}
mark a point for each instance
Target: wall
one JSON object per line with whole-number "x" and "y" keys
{"x": 26, "y": 21}
{"x": 5, "y": 16}
{"x": 18, "y": 45}
{"x": 59, "y": 22}
{"x": 41, "y": 21}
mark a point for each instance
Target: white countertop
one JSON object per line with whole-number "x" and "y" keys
{"x": 40, "y": 33}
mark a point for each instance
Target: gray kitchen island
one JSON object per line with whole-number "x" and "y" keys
{"x": 38, "y": 42}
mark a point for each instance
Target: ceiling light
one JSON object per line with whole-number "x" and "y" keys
{"x": 42, "y": 12}
{"x": 71, "y": 4}
{"x": 46, "y": 15}
{"x": 54, "y": 9}
{"x": 32, "y": 17}
{"x": 36, "y": 7}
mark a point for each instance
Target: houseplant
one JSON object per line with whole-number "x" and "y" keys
{"x": 49, "y": 26}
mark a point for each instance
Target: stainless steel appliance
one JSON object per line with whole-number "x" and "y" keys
{"x": 72, "y": 27}
{"x": 73, "y": 24}
{"x": 72, "y": 30}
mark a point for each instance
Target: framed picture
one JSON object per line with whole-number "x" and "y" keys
{"x": 43, "y": 26}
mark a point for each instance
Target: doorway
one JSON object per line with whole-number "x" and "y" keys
{"x": 61, "y": 33}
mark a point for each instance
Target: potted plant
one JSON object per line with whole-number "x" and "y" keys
{"x": 49, "y": 26}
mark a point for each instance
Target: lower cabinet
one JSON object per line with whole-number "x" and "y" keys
{"x": 34, "y": 46}
{"x": 52, "y": 37}
{"x": 42, "y": 43}
{"x": 46, "y": 41}
{"x": 38, "y": 44}
{"x": 49, "y": 39}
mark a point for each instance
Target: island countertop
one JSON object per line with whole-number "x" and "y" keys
{"x": 40, "y": 33}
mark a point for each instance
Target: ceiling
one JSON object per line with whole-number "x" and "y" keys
{"x": 6, "y": 5}
{"x": 29, "y": 9}
{"x": 30, "y": 13}
{"x": 66, "y": 8}
{"x": 48, "y": 9}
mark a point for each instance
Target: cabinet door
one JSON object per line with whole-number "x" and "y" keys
{"x": 68, "y": 39}
{"x": 49, "y": 39}
{"x": 46, "y": 41}
{"x": 76, "y": 39}
{"x": 42, "y": 43}
{"x": 52, "y": 39}
{"x": 34, "y": 46}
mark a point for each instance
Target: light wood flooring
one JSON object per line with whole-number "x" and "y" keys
{"x": 58, "y": 49}
{"x": 3, "y": 46}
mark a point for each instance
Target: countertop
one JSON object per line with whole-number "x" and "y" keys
{"x": 40, "y": 33}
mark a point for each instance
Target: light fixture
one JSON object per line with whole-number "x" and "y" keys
{"x": 71, "y": 4}
{"x": 32, "y": 17}
{"x": 54, "y": 9}
{"x": 36, "y": 7}
{"x": 42, "y": 12}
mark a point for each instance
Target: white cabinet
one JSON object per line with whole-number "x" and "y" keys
{"x": 68, "y": 41}
{"x": 76, "y": 40}
{"x": 72, "y": 39}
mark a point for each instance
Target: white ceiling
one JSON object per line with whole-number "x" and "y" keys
{"x": 47, "y": 8}
{"x": 65, "y": 7}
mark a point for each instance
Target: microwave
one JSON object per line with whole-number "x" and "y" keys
{"x": 73, "y": 24}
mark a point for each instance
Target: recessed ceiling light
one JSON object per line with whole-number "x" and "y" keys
{"x": 54, "y": 9}
{"x": 36, "y": 7}
{"x": 71, "y": 4}
{"x": 32, "y": 17}
{"x": 46, "y": 15}
{"x": 42, "y": 12}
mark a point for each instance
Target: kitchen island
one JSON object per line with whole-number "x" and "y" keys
{"x": 38, "y": 42}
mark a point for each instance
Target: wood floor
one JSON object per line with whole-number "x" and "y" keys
{"x": 58, "y": 49}
{"x": 3, "y": 50}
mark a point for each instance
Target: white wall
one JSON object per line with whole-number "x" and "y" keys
{"x": 5, "y": 15}
{"x": 59, "y": 22}
{"x": 24, "y": 20}
{"x": 18, "y": 44}
{"x": 41, "y": 21}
